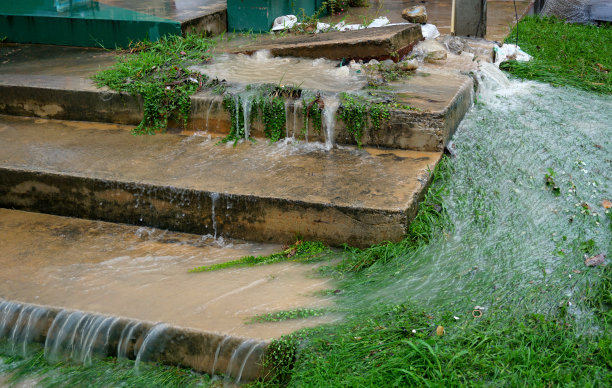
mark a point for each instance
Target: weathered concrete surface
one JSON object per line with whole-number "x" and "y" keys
{"x": 198, "y": 350}
{"x": 471, "y": 18}
{"x": 256, "y": 192}
{"x": 142, "y": 273}
{"x": 35, "y": 82}
{"x": 379, "y": 43}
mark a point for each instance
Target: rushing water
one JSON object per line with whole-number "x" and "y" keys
{"x": 261, "y": 67}
{"x": 514, "y": 245}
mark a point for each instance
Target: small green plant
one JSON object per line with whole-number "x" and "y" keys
{"x": 299, "y": 313}
{"x": 312, "y": 111}
{"x": 279, "y": 360}
{"x": 158, "y": 71}
{"x": 303, "y": 251}
{"x": 549, "y": 180}
{"x": 357, "y": 113}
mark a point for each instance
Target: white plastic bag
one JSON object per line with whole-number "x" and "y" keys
{"x": 379, "y": 22}
{"x": 284, "y": 22}
{"x": 429, "y": 31}
{"x": 510, "y": 51}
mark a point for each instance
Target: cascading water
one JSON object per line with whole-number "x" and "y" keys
{"x": 152, "y": 338}
{"x": 331, "y": 103}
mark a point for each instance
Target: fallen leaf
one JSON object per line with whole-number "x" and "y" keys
{"x": 606, "y": 204}
{"x": 440, "y": 331}
{"x": 594, "y": 261}
{"x": 577, "y": 271}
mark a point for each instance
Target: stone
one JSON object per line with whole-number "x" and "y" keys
{"x": 417, "y": 14}
{"x": 430, "y": 51}
{"x": 408, "y": 65}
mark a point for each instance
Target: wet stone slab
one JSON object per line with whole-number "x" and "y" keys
{"x": 254, "y": 191}
{"x": 142, "y": 273}
{"x": 379, "y": 43}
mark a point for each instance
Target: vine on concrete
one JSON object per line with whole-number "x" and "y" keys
{"x": 312, "y": 113}
{"x": 356, "y": 113}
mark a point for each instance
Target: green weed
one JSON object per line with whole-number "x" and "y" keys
{"x": 158, "y": 71}
{"x": 304, "y": 251}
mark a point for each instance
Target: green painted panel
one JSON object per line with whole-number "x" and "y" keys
{"x": 258, "y": 15}
{"x": 82, "y": 23}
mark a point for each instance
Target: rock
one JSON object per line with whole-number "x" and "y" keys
{"x": 430, "y": 51}
{"x": 594, "y": 261}
{"x": 373, "y": 62}
{"x": 408, "y": 65}
{"x": 388, "y": 63}
{"x": 417, "y": 14}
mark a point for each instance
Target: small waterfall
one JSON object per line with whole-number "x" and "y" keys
{"x": 25, "y": 322}
{"x": 126, "y": 336}
{"x": 152, "y": 335}
{"x": 246, "y": 111}
{"x": 219, "y": 347}
{"x": 287, "y": 119}
{"x": 490, "y": 78}
{"x": 246, "y": 344}
{"x": 331, "y": 103}
{"x": 210, "y": 105}
{"x": 296, "y": 107}
{"x": 244, "y": 361}
{"x": 214, "y": 197}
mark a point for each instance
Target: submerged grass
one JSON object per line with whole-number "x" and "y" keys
{"x": 564, "y": 54}
{"x": 108, "y": 372}
{"x": 278, "y": 316}
{"x": 304, "y": 251}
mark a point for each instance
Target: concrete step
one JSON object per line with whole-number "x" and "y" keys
{"x": 136, "y": 276}
{"x": 371, "y": 43}
{"x": 253, "y": 191}
{"x": 36, "y": 81}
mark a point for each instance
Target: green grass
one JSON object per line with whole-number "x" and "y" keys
{"x": 158, "y": 71}
{"x": 564, "y": 54}
{"x": 299, "y": 251}
{"x": 278, "y": 316}
{"x": 108, "y": 372}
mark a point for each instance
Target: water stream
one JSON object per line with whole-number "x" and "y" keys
{"x": 514, "y": 247}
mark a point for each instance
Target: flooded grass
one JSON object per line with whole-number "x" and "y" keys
{"x": 496, "y": 258}
{"x": 108, "y": 372}
{"x": 564, "y": 53}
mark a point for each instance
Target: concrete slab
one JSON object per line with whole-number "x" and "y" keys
{"x": 142, "y": 273}
{"x": 379, "y": 43}
{"x": 256, "y": 192}
{"x": 35, "y": 81}
{"x": 108, "y": 23}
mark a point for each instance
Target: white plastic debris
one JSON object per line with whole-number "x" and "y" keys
{"x": 323, "y": 27}
{"x": 429, "y": 31}
{"x": 379, "y": 22}
{"x": 508, "y": 52}
{"x": 352, "y": 27}
{"x": 284, "y": 22}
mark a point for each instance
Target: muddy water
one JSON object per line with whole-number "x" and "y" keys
{"x": 261, "y": 67}
{"x": 142, "y": 273}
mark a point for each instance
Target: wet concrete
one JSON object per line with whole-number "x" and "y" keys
{"x": 500, "y": 14}
{"x": 36, "y": 82}
{"x": 141, "y": 273}
{"x": 379, "y": 43}
{"x": 257, "y": 192}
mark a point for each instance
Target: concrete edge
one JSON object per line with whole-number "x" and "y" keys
{"x": 248, "y": 217}
{"x": 198, "y": 350}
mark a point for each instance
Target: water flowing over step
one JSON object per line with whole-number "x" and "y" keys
{"x": 260, "y": 192}
{"x": 68, "y": 335}
{"x": 53, "y": 90}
